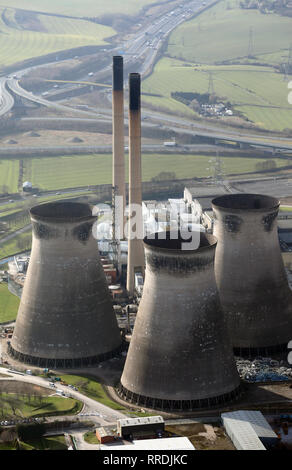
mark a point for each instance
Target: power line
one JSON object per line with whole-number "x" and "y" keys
{"x": 211, "y": 85}
{"x": 250, "y": 50}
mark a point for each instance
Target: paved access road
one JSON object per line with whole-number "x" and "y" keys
{"x": 104, "y": 414}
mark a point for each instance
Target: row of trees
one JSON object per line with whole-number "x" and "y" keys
{"x": 266, "y": 165}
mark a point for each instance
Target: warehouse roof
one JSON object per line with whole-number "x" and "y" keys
{"x": 171, "y": 443}
{"x": 247, "y": 428}
{"x": 138, "y": 421}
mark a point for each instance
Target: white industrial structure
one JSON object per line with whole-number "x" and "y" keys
{"x": 248, "y": 430}
{"x": 170, "y": 443}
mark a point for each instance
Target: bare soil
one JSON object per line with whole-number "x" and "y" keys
{"x": 203, "y": 436}
{"x": 13, "y": 386}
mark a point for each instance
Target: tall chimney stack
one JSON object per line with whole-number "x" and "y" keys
{"x": 136, "y": 258}
{"x": 118, "y": 142}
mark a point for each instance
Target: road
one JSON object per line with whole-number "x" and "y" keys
{"x": 104, "y": 414}
{"x": 143, "y": 46}
{"x": 6, "y": 99}
{"x": 138, "y": 47}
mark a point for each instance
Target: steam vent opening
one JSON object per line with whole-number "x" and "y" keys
{"x": 62, "y": 211}
{"x": 179, "y": 241}
{"x": 246, "y": 202}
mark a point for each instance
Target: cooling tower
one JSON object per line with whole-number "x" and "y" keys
{"x": 65, "y": 317}
{"x": 180, "y": 356}
{"x": 136, "y": 258}
{"x": 250, "y": 274}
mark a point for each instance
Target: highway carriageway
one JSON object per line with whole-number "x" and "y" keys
{"x": 215, "y": 137}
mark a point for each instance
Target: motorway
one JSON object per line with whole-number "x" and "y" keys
{"x": 142, "y": 47}
{"x": 6, "y": 99}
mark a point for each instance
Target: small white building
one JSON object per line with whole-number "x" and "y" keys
{"x": 27, "y": 186}
{"x": 170, "y": 443}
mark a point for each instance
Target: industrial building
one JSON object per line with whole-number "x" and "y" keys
{"x": 146, "y": 433}
{"x": 135, "y": 427}
{"x": 249, "y": 430}
{"x": 250, "y": 273}
{"x": 65, "y": 317}
{"x": 170, "y": 443}
{"x": 180, "y": 356}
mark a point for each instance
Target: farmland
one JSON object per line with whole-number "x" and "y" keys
{"x": 22, "y": 38}
{"x": 215, "y": 44}
{"x": 257, "y": 92}
{"x": 222, "y": 34}
{"x": 9, "y": 175}
{"x": 80, "y": 9}
{"x": 8, "y": 304}
{"x": 52, "y": 173}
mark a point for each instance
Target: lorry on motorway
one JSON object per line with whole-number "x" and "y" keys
{"x": 171, "y": 143}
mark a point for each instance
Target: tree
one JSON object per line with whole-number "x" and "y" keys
{"x": 164, "y": 176}
{"x": 30, "y": 431}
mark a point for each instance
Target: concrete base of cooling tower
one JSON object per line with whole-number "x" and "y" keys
{"x": 57, "y": 363}
{"x": 178, "y": 405}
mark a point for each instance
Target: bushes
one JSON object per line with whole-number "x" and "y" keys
{"x": 30, "y": 431}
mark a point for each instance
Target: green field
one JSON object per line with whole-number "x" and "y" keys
{"x": 222, "y": 33}
{"x": 14, "y": 405}
{"x": 217, "y": 42}
{"x": 91, "y": 388}
{"x": 17, "y": 245}
{"x": 90, "y": 438}
{"x": 257, "y": 92}
{"x": 9, "y": 304}
{"x": 24, "y": 39}
{"x": 9, "y": 175}
{"x": 81, "y": 8}
{"x": 52, "y": 173}
{"x": 44, "y": 443}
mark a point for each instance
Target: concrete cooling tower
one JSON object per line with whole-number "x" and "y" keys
{"x": 250, "y": 274}
{"x": 65, "y": 318}
{"x": 180, "y": 356}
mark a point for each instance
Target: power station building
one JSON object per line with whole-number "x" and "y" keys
{"x": 180, "y": 356}
{"x": 65, "y": 318}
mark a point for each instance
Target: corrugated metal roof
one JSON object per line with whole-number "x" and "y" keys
{"x": 137, "y": 421}
{"x": 256, "y": 419}
{"x": 247, "y": 428}
{"x": 242, "y": 435}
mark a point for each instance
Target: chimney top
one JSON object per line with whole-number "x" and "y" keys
{"x": 118, "y": 73}
{"x": 134, "y": 91}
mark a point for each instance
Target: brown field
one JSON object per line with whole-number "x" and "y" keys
{"x": 203, "y": 436}
{"x": 13, "y": 386}
{"x": 62, "y": 138}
